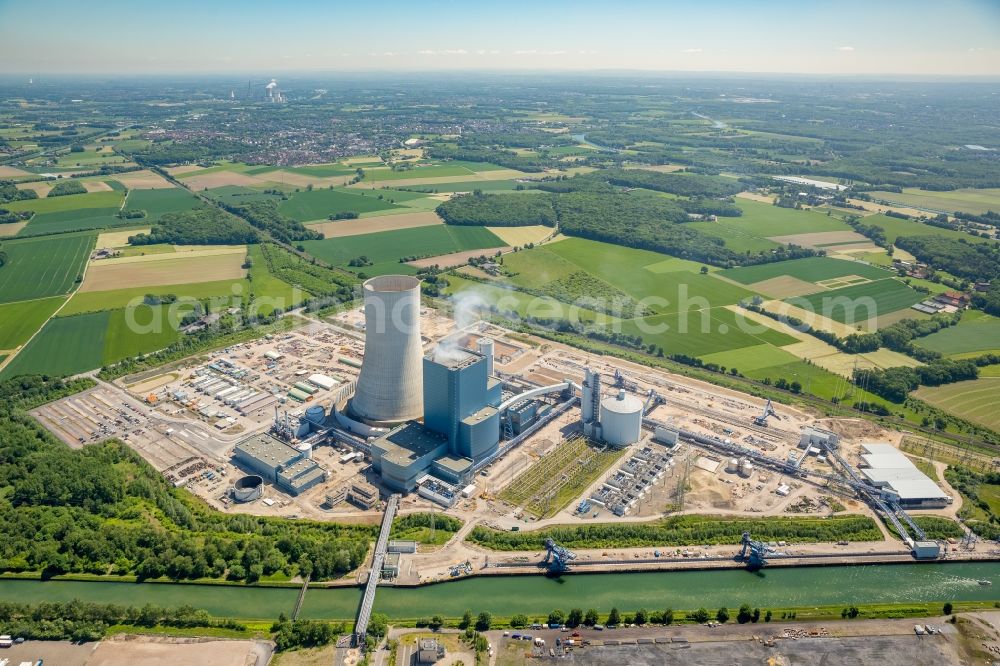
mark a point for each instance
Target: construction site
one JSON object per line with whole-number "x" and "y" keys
{"x": 499, "y": 429}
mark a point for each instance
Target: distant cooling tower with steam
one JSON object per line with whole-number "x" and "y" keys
{"x": 390, "y": 387}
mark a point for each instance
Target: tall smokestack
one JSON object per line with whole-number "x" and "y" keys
{"x": 486, "y": 349}
{"x": 390, "y": 386}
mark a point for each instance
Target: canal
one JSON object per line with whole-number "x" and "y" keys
{"x": 506, "y": 595}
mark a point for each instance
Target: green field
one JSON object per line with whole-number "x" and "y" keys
{"x": 977, "y": 332}
{"x": 888, "y": 295}
{"x": 510, "y": 300}
{"x": 701, "y": 333}
{"x": 308, "y": 206}
{"x": 156, "y": 203}
{"x": 154, "y": 331}
{"x": 19, "y": 321}
{"x": 764, "y": 220}
{"x": 238, "y": 194}
{"x": 966, "y": 199}
{"x": 385, "y": 248}
{"x": 65, "y": 346}
{"x": 85, "y": 219}
{"x": 810, "y": 269}
{"x": 749, "y": 359}
{"x": 895, "y": 227}
{"x": 69, "y": 202}
{"x": 737, "y": 238}
{"x": 43, "y": 267}
{"x": 975, "y": 400}
{"x": 669, "y": 284}
{"x": 89, "y": 158}
{"x": 322, "y": 170}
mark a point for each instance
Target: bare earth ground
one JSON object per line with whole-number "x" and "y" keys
{"x": 814, "y": 239}
{"x": 103, "y": 276}
{"x": 879, "y": 208}
{"x": 11, "y": 228}
{"x": 369, "y": 225}
{"x": 144, "y": 180}
{"x": 184, "y": 168}
{"x": 456, "y": 258}
{"x": 814, "y": 319}
{"x": 784, "y": 286}
{"x": 154, "y": 651}
{"x": 753, "y": 196}
{"x": 301, "y": 179}
{"x": 522, "y": 235}
{"x": 118, "y": 238}
{"x": 220, "y": 179}
{"x": 12, "y": 172}
{"x": 95, "y": 186}
{"x": 662, "y": 168}
{"x": 41, "y": 187}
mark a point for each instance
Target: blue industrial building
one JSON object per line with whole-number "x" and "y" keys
{"x": 461, "y": 423}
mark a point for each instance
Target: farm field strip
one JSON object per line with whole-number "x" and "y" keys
{"x": 43, "y": 267}
{"x": 975, "y": 400}
{"x": 369, "y": 225}
{"x": 20, "y": 320}
{"x": 155, "y": 270}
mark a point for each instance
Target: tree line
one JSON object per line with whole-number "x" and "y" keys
{"x": 683, "y": 531}
{"x": 199, "y": 226}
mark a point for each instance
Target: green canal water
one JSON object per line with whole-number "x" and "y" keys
{"x": 782, "y": 587}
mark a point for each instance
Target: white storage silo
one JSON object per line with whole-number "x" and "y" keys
{"x": 733, "y": 466}
{"x": 621, "y": 419}
{"x": 390, "y": 385}
{"x": 486, "y": 349}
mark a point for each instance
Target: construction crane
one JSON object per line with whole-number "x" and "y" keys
{"x": 622, "y": 383}
{"x": 768, "y": 411}
{"x": 557, "y": 558}
{"x": 753, "y": 552}
{"x": 653, "y": 399}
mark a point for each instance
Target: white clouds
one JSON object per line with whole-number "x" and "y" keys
{"x": 537, "y": 52}
{"x": 526, "y": 52}
{"x": 445, "y": 52}
{"x": 846, "y": 49}
{"x": 691, "y": 51}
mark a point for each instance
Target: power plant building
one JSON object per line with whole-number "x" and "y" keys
{"x": 390, "y": 385}
{"x": 287, "y": 468}
{"x": 885, "y": 467}
{"x": 461, "y": 423}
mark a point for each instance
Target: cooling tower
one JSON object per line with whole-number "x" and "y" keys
{"x": 390, "y": 386}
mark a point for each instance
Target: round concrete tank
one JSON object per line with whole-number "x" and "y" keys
{"x": 306, "y": 449}
{"x": 733, "y": 466}
{"x": 621, "y": 419}
{"x": 746, "y": 468}
{"x": 390, "y": 385}
{"x": 248, "y": 488}
{"x": 316, "y": 414}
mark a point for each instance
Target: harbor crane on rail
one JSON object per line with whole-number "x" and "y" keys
{"x": 557, "y": 558}
{"x": 768, "y": 411}
{"x": 754, "y": 552}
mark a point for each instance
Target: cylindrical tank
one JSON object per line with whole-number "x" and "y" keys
{"x": 486, "y": 349}
{"x": 746, "y": 468}
{"x": 315, "y": 414}
{"x": 621, "y": 419}
{"x": 306, "y": 449}
{"x": 733, "y": 466}
{"x": 390, "y": 385}
{"x": 248, "y": 488}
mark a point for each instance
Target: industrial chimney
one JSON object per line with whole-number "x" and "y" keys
{"x": 390, "y": 386}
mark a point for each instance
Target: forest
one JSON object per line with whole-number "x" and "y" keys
{"x": 264, "y": 216}
{"x": 894, "y": 384}
{"x": 972, "y": 261}
{"x": 103, "y": 510}
{"x": 201, "y": 226}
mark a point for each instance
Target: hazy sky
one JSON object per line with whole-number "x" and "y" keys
{"x": 960, "y": 37}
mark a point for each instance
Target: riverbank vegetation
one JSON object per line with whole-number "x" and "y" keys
{"x": 433, "y": 529}
{"x": 103, "y": 510}
{"x": 683, "y": 531}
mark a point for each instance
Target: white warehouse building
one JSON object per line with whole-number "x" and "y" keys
{"x": 885, "y": 467}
